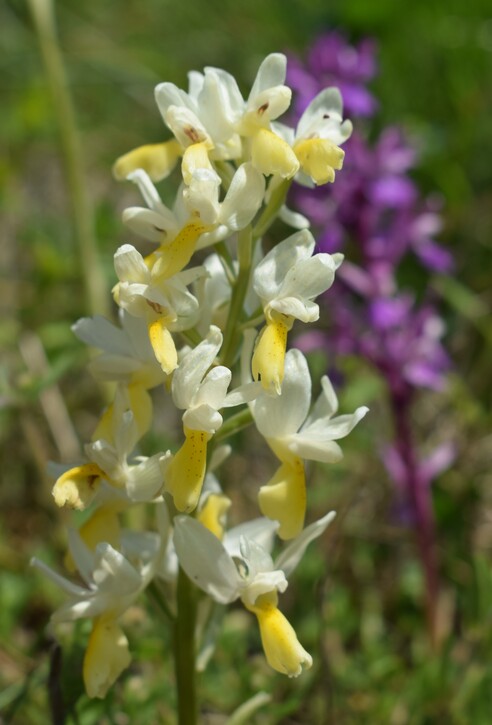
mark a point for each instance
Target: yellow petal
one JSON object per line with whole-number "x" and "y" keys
{"x": 282, "y": 648}
{"x": 106, "y": 656}
{"x": 103, "y": 525}
{"x": 158, "y": 160}
{"x": 175, "y": 256}
{"x": 184, "y": 477}
{"x": 270, "y": 154}
{"x": 319, "y": 158}
{"x": 283, "y": 498}
{"x": 213, "y": 513}
{"x": 268, "y": 360}
{"x": 77, "y": 487}
{"x": 141, "y": 407}
{"x": 195, "y": 157}
{"x": 163, "y": 345}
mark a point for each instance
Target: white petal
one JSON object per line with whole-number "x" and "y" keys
{"x": 293, "y": 218}
{"x": 309, "y": 277}
{"x": 272, "y": 270}
{"x": 338, "y": 427}
{"x": 327, "y": 102}
{"x": 145, "y": 481}
{"x": 205, "y": 560}
{"x": 213, "y": 389}
{"x": 261, "y": 530}
{"x": 243, "y": 394}
{"x": 314, "y": 448}
{"x": 81, "y": 554}
{"x": 167, "y": 94}
{"x": 256, "y": 558}
{"x": 149, "y": 224}
{"x": 149, "y": 193}
{"x": 192, "y": 368}
{"x": 281, "y": 415}
{"x": 270, "y": 73}
{"x": 101, "y": 333}
{"x": 114, "y": 572}
{"x": 293, "y": 553}
{"x": 244, "y": 197}
{"x": 186, "y": 126}
{"x": 263, "y": 583}
{"x": 202, "y": 417}
{"x": 65, "y": 584}
{"x": 326, "y": 404}
{"x": 129, "y": 265}
{"x": 300, "y": 309}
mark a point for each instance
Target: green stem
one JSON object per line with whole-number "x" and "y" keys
{"x": 155, "y": 595}
{"x": 233, "y": 425}
{"x": 270, "y": 212}
{"x": 185, "y": 651}
{"x": 42, "y": 12}
{"x": 245, "y": 253}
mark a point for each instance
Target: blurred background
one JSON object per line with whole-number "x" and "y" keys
{"x": 364, "y": 618}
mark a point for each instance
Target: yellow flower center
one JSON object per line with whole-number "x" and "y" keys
{"x": 319, "y": 158}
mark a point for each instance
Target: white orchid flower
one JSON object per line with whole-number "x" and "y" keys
{"x": 112, "y": 582}
{"x": 231, "y": 570}
{"x": 126, "y": 353}
{"x": 269, "y": 98}
{"x": 200, "y": 390}
{"x": 317, "y": 138}
{"x": 294, "y": 436}
{"x": 198, "y": 202}
{"x": 287, "y": 280}
{"x": 203, "y": 121}
{"x": 206, "y": 114}
{"x": 163, "y": 301}
{"x": 107, "y": 456}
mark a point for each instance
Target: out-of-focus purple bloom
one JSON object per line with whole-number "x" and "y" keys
{"x": 374, "y": 211}
{"x": 333, "y": 62}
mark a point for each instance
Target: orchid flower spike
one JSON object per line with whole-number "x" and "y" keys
{"x": 241, "y": 567}
{"x": 287, "y": 280}
{"x": 294, "y": 436}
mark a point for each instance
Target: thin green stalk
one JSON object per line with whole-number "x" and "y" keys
{"x": 270, "y": 212}
{"x": 185, "y": 651}
{"x": 245, "y": 253}
{"x": 233, "y": 425}
{"x": 43, "y": 15}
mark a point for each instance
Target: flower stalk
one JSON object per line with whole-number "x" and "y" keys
{"x": 43, "y": 15}
{"x": 185, "y": 651}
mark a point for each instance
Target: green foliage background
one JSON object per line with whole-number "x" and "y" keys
{"x": 357, "y": 601}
